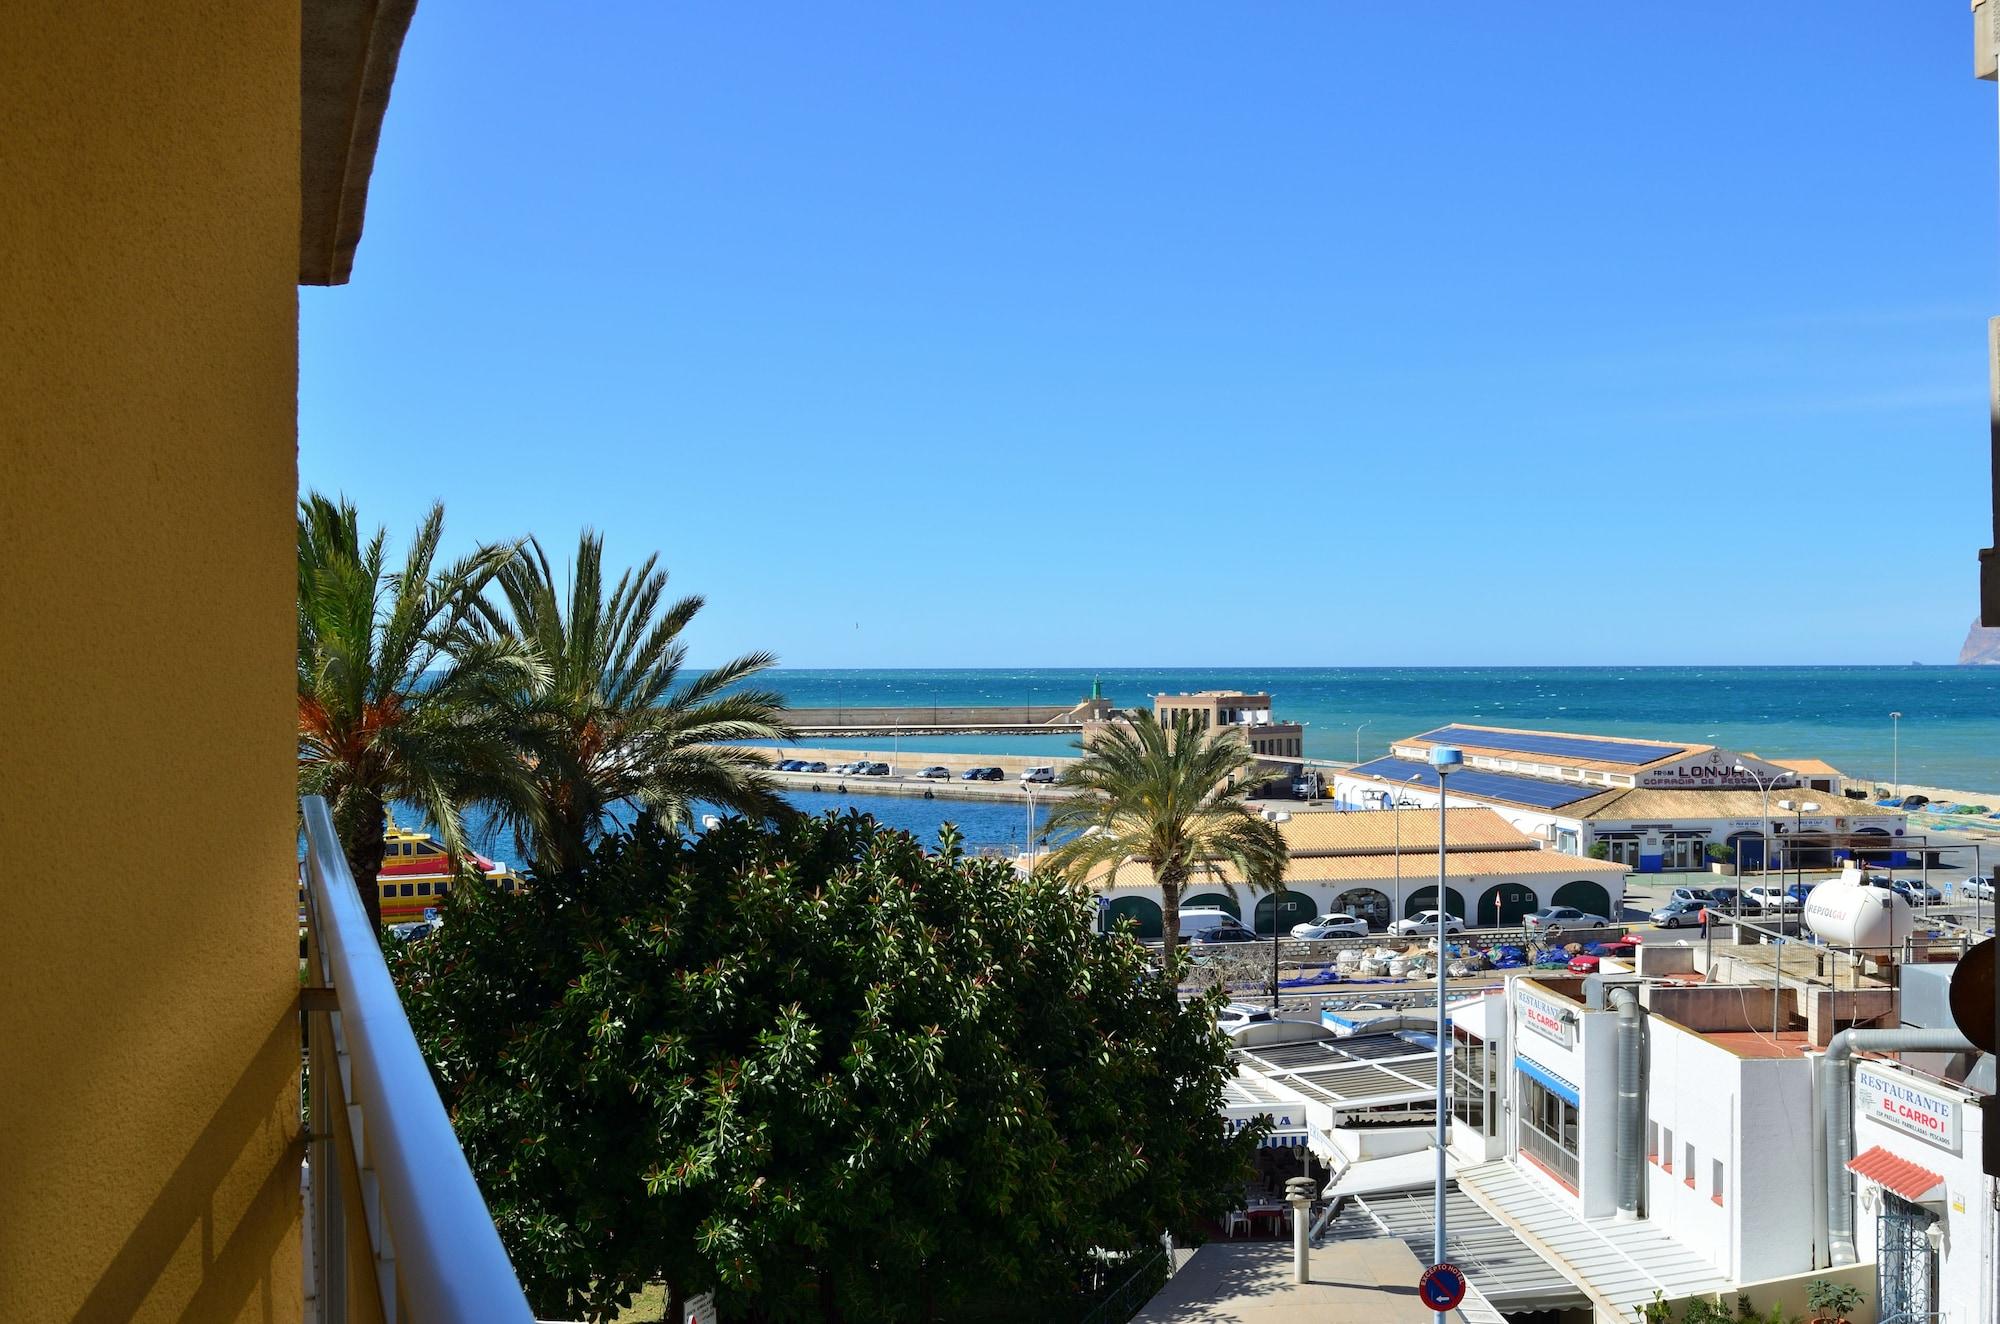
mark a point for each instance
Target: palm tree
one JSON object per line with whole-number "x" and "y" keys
{"x": 399, "y": 700}
{"x": 618, "y": 724}
{"x": 1165, "y": 797}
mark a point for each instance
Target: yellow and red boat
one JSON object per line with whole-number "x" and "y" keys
{"x": 418, "y": 873}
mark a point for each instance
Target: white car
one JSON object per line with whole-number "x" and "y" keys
{"x": 1770, "y": 898}
{"x": 1700, "y": 894}
{"x": 1336, "y": 925}
{"x": 1565, "y": 917}
{"x": 1976, "y": 889}
{"x": 1426, "y": 922}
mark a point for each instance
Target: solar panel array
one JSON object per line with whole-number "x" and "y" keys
{"x": 1486, "y": 785}
{"x": 1566, "y": 747}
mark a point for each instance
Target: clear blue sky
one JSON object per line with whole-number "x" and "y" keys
{"x": 1170, "y": 334}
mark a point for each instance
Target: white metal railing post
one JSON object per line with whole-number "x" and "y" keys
{"x": 327, "y": 1220}
{"x": 433, "y": 1243}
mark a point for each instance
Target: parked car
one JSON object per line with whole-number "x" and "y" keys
{"x": 1200, "y": 919}
{"x": 1770, "y": 898}
{"x": 1233, "y": 1014}
{"x": 814, "y": 766}
{"x": 1426, "y": 922}
{"x": 1678, "y": 914}
{"x": 872, "y": 770}
{"x": 1976, "y": 889}
{"x": 787, "y": 765}
{"x": 1335, "y": 925}
{"x": 1222, "y": 933}
{"x": 848, "y": 769}
{"x": 1564, "y": 917}
{"x": 936, "y": 773}
{"x": 1725, "y": 898}
{"x": 1914, "y": 891}
{"x": 1698, "y": 894}
{"x": 1038, "y": 776}
{"x": 983, "y": 775}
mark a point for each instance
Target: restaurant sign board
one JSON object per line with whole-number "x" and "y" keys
{"x": 1897, "y": 1101}
{"x": 1549, "y": 1019}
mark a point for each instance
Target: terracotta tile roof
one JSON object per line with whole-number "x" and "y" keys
{"x": 1667, "y": 805}
{"x": 1907, "y": 1179}
{"x": 1416, "y": 865}
{"x": 1810, "y": 767}
{"x": 1372, "y": 831}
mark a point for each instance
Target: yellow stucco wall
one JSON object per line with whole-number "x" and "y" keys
{"x": 148, "y": 367}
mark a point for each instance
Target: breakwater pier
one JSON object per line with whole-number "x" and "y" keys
{"x": 943, "y": 719}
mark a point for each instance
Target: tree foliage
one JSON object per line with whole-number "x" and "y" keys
{"x": 399, "y": 699}
{"x": 818, "y": 1070}
{"x": 1168, "y": 797}
{"x": 618, "y": 722}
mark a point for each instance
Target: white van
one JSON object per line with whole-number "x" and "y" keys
{"x": 1043, "y": 776}
{"x": 1201, "y": 919}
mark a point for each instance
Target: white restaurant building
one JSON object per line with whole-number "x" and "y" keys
{"x": 1654, "y": 806}
{"x": 1382, "y": 867}
{"x": 1722, "y": 1188}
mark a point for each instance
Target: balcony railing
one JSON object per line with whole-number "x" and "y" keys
{"x": 383, "y": 1164}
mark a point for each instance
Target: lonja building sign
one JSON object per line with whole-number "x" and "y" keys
{"x": 1716, "y": 771}
{"x": 1895, "y": 1101}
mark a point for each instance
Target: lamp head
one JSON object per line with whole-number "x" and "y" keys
{"x": 1446, "y": 759}
{"x": 1810, "y": 807}
{"x": 1787, "y": 806}
{"x": 1740, "y": 768}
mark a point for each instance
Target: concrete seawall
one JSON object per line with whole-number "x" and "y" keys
{"x": 941, "y": 719}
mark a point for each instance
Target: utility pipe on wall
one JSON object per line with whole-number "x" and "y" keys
{"x": 1631, "y": 1102}
{"x": 1839, "y": 1114}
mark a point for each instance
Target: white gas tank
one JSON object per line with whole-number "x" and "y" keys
{"x": 1848, "y": 913}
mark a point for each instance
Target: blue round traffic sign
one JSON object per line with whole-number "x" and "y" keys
{"x": 1442, "y": 1287}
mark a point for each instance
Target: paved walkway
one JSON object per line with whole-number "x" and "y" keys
{"x": 1250, "y": 1282}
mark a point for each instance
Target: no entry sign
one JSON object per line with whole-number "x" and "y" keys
{"x": 1442, "y": 1287}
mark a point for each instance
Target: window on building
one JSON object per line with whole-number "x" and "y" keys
{"x": 1652, "y": 1141}
{"x": 1549, "y": 1131}
{"x": 1667, "y": 1148}
{"x": 1475, "y": 1073}
{"x": 1715, "y": 1180}
{"x": 1688, "y": 1169}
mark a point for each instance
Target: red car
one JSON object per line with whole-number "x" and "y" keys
{"x": 1624, "y": 948}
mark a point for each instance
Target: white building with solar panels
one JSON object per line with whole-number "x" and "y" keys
{"x": 1655, "y": 806}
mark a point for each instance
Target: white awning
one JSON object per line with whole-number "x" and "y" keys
{"x": 1400, "y": 1172}
{"x": 1618, "y": 1265}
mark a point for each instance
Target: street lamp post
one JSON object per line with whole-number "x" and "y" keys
{"x": 1896, "y": 753}
{"x": 1798, "y": 809}
{"x": 1764, "y": 784}
{"x": 1029, "y": 787}
{"x": 1357, "y": 743}
{"x": 1445, "y": 759}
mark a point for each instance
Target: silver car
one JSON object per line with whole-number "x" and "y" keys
{"x": 1336, "y": 925}
{"x": 1565, "y": 917}
{"x": 1677, "y": 914}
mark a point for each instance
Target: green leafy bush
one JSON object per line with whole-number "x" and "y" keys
{"x": 818, "y": 1070}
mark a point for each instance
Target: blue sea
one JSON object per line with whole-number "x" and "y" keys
{"x": 1950, "y": 729}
